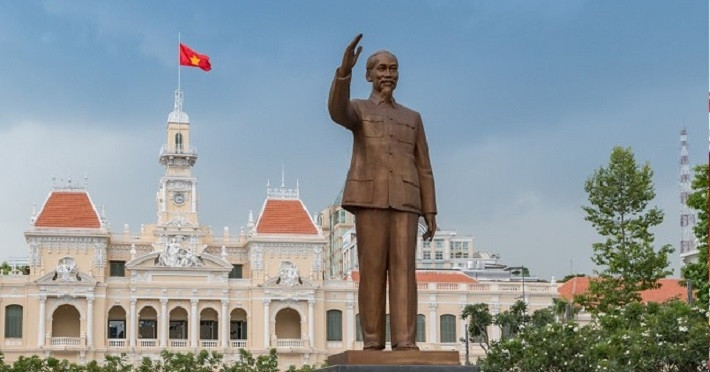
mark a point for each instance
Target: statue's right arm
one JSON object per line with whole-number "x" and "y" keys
{"x": 339, "y": 106}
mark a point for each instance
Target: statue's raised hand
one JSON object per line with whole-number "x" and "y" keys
{"x": 350, "y": 57}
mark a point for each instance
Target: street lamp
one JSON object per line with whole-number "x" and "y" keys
{"x": 464, "y": 339}
{"x": 522, "y": 273}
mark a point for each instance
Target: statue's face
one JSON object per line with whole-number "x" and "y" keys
{"x": 384, "y": 73}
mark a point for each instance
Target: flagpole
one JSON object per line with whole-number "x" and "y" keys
{"x": 179, "y": 41}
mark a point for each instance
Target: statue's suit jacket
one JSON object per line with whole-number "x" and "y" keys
{"x": 390, "y": 165}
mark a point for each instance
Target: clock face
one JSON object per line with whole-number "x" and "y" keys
{"x": 179, "y": 198}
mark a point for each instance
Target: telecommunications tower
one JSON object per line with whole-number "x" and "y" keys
{"x": 688, "y": 251}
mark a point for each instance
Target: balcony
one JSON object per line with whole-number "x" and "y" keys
{"x": 179, "y": 156}
{"x": 147, "y": 342}
{"x": 66, "y": 342}
{"x": 209, "y": 344}
{"x": 240, "y": 344}
{"x": 179, "y": 343}
{"x": 116, "y": 342}
{"x": 291, "y": 343}
{"x": 178, "y": 151}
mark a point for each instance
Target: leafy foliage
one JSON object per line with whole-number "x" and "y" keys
{"x": 203, "y": 361}
{"x": 479, "y": 318}
{"x": 697, "y": 272}
{"x": 669, "y": 337}
{"x": 619, "y": 196}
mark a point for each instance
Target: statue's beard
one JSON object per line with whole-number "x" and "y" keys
{"x": 386, "y": 93}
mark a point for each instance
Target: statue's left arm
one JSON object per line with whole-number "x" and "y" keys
{"x": 426, "y": 179}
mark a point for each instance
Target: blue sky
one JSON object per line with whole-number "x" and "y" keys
{"x": 521, "y": 101}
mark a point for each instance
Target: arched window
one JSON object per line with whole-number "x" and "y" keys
{"x": 448, "y": 328}
{"x": 421, "y": 328}
{"x": 13, "y": 321}
{"x": 178, "y": 141}
{"x": 334, "y": 325}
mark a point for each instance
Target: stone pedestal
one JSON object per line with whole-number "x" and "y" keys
{"x": 415, "y": 360}
{"x": 458, "y": 368}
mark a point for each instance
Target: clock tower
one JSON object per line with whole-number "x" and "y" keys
{"x": 177, "y": 194}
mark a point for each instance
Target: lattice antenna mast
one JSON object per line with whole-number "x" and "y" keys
{"x": 687, "y": 216}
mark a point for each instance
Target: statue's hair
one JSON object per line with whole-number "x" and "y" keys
{"x": 371, "y": 59}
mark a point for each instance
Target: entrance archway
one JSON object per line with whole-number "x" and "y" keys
{"x": 288, "y": 324}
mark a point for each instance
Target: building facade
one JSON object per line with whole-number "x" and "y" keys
{"x": 177, "y": 285}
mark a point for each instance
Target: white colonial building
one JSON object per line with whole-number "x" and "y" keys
{"x": 176, "y": 285}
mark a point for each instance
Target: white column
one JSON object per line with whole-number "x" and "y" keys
{"x": 194, "y": 196}
{"x": 42, "y": 320}
{"x": 433, "y": 321}
{"x": 163, "y": 322}
{"x": 350, "y": 319}
{"x": 267, "y": 320}
{"x": 90, "y": 320}
{"x": 193, "y": 322}
{"x": 132, "y": 326}
{"x": 224, "y": 323}
{"x": 311, "y": 323}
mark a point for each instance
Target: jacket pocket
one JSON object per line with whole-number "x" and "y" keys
{"x": 358, "y": 191}
{"x": 373, "y": 126}
{"x": 406, "y": 132}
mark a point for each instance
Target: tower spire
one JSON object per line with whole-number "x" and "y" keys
{"x": 179, "y": 98}
{"x": 283, "y": 175}
{"x": 687, "y": 216}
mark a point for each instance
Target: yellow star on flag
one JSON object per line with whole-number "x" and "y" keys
{"x": 189, "y": 57}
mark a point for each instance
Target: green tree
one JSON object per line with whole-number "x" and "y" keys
{"x": 619, "y": 196}
{"x": 511, "y": 321}
{"x": 697, "y": 272}
{"x": 479, "y": 318}
{"x": 5, "y": 268}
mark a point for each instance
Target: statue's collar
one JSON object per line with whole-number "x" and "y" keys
{"x": 377, "y": 99}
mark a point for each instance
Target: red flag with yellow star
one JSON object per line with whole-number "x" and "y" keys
{"x": 189, "y": 57}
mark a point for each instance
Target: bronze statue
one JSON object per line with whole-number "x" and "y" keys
{"x": 389, "y": 185}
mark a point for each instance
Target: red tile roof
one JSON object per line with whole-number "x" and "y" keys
{"x": 68, "y": 209}
{"x": 669, "y": 289}
{"x": 434, "y": 277}
{"x": 285, "y": 217}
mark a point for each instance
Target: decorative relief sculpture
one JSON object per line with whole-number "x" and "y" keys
{"x": 67, "y": 270}
{"x": 256, "y": 258}
{"x": 100, "y": 255}
{"x": 179, "y": 220}
{"x": 174, "y": 255}
{"x": 317, "y": 258}
{"x": 177, "y": 185}
{"x": 34, "y": 259}
{"x": 288, "y": 275}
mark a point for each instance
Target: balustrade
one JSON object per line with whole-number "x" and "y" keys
{"x": 290, "y": 342}
{"x": 178, "y": 343}
{"x": 116, "y": 342}
{"x": 209, "y": 343}
{"x": 238, "y": 343}
{"x": 65, "y": 341}
{"x": 147, "y": 342}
